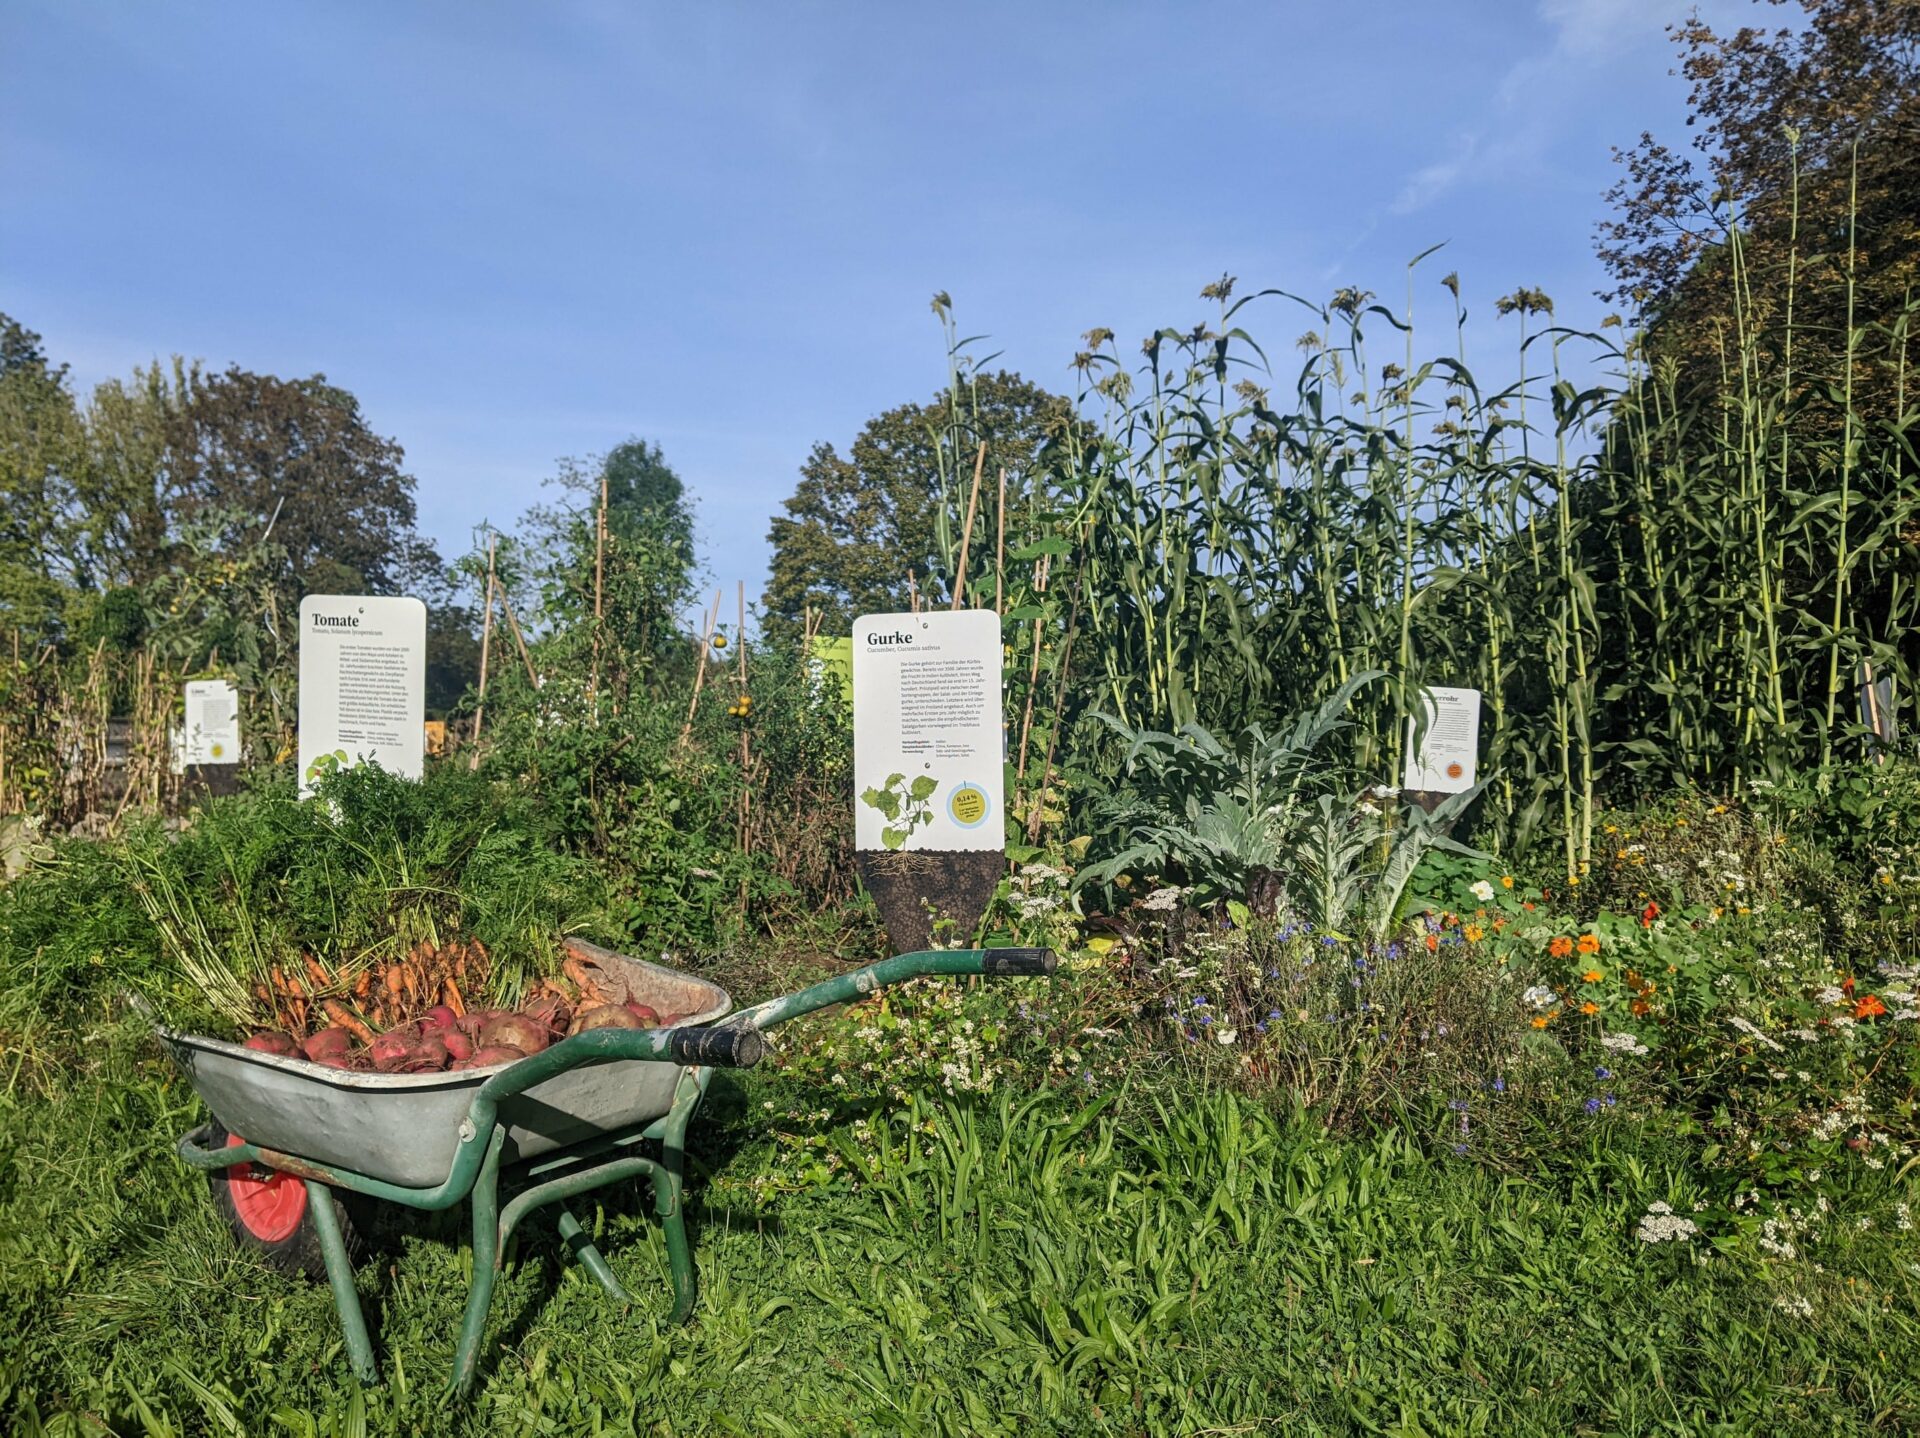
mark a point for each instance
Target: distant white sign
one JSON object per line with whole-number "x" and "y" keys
{"x": 363, "y": 684}
{"x": 927, "y": 713}
{"x": 210, "y": 733}
{"x": 1449, "y": 754}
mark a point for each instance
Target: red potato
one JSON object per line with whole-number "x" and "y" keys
{"x": 394, "y": 1049}
{"x": 272, "y": 1041}
{"x": 438, "y": 1019}
{"x": 668, "y": 1021}
{"x": 336, "y": 1060}
{"x": 459, "y": 1042}
{"x": 605, "y": 1016}
{"x": 648, "y": 1015}
{"x": 329, "y": 1043}
{"x": 550, "y": 1010}
{"x": 429, "y": 1056}
{"x": 517, "y": 1031}
{"x": 494, "y": 1054}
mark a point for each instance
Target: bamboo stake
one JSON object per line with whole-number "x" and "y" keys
{"x": 966, "y": 535}
{"x": 518, "y": 638}
{"x": 599, "y": 574}
{"x": 486, "y": 640}
{"x": 700, "y": 669}
{"x": 913, "y": 593}
{"x": 1033, "y": 675}
{"x": 1000, "y": 548}
{"x": 746, "y": 745}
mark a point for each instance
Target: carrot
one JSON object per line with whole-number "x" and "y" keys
{"x": 393, "y": 980}
{"x": 319, "y": 977}
{"x": 450, "y": 993}
{"x": 345, "y": 1018}
{"x": 408, "y": 979}
{"x": 363, "y": 985}
{"x": 577, "y": 971}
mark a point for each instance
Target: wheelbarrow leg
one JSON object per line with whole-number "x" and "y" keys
{"x": 583, "y": 1249}
{"x": 486, "y": 1266}
{"x": 668, "y": 1183}
{"x": 333, "y": 1248}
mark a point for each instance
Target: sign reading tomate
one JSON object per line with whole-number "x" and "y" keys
{"x": 363, "y": 684}
{"x": 927, "y": 714}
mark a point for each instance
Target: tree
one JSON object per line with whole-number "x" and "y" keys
{"x": 254, "y": 452}
{"x": 41, "y": 446}
{"x": 858, "y": 525}
{"x": 1806, "y": 177}
{"x": 643, "y": 571}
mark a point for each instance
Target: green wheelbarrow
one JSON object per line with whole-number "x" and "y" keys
{"x": 595, "y": 1109}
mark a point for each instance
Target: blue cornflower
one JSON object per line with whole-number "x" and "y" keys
{"x": 1205, "y": 1019}
{"x": 1460, "y": 1150}
{"x": 1593, "y": 1105}
{"x": 1393, "y": 949}
{"x": 1499, "y": 1084}
{"x": 1609, "y": 1100}
{"x": 1603, "y": 1073}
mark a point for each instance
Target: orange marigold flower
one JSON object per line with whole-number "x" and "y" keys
{"x": 1589, "y": 1007}
{"x": 1639, "y": 1007}
{"x": 1527, "y": 904}
{"x": 1869, "y": 1007}
{"x": 1560, "y": 947}
{"x": 1475, "y": 933}
{"x": 1506, "y": 881}
{"x": 1540, "y": 1023}
{"x": 1589, "y": 943}
{"x": 1592, "y": 976}
{"x": 1433, "y": 943}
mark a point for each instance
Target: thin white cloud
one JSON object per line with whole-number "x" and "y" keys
{"x": 1430, "y": 182}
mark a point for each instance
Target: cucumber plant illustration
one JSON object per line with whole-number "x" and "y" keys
{"x": 905, "y": 806}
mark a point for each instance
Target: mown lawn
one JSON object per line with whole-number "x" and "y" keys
{"x": 1034, "y": 1264}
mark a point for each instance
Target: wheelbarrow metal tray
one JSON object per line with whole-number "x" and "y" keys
{"x": 404, "y": 1128}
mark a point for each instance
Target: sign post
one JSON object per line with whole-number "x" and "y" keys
{"x": 928, "y": 768}
{"x": 363, "y": 684}
{"x": 1448, "y": 757}
{"x": 211, "y": 731}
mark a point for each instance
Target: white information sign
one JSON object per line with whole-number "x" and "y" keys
{"x": 927, "y": 731}
{"x": 363, "y": 684}
{"x": 211, "y": 731}
{"x": 1449, "y": 755}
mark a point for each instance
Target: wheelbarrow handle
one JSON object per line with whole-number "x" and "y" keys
{"x": 717, "y": 1047}
{"x": 1018, "y": 963}
{"x": 850, "y": 988}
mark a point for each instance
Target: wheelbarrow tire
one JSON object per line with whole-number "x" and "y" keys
{"x": 270, "y": 1213}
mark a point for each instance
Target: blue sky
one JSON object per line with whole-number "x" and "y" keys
{"x": 521, "y": 232}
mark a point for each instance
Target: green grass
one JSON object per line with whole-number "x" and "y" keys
{"x": 1035, "y": 1264}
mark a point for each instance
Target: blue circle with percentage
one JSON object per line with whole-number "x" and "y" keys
{"x": 967, "y": 806}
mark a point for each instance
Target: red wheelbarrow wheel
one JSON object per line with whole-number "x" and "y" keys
{"x": 269, "y": 1213}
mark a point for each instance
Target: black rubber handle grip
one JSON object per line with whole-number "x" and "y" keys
{"x": 1018, "y": 963}
{"x": 722, "y": 1046}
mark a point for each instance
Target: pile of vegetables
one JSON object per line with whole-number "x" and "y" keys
{"x": 412, "y": 1016}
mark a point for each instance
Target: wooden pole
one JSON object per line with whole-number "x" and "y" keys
{"x": 1000, "y": 548}
{"x": 1033, "y": 676}
{"x": 966, "y": 535}
{"x": 599, "y": 581}
{"x": 518, "y": 638}
{"x": 700, "y": 669}
{"x": 486, "y": 640}
{"x": 746, "y": 745}
{"x": 913, "y": 593}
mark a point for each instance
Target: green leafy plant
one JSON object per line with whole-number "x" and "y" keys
{"x": 906, "y": 806}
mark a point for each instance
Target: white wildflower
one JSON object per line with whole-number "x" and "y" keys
{"x": 1539, "y": 996}
{"x": 1226, "y": 1035}
{"x": 1794, "y": 1305}
{"x": 1624, "y": 1044}
{"x": 1162, "y": 901}
{"x": 1747, "y": 1027}
{"x": 1830, "y": 995}
{"x": 1663, "y": 1225}
{"x": 1483, "y": 891}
